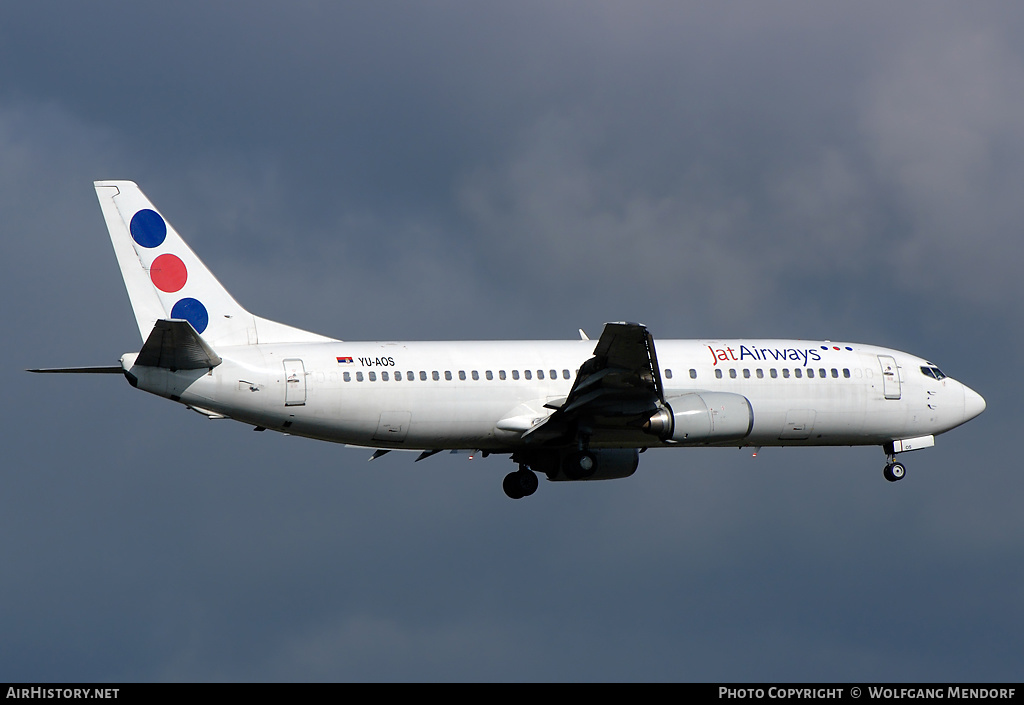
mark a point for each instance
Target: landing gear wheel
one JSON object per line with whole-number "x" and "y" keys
{"x": 521, "y": 483}
{"x": 579, "y": 465}
{"x": 894, "y": 472}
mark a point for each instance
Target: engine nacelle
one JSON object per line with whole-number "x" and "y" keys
{"x": 708, "y": 417}
{"x": 593, "y": 464}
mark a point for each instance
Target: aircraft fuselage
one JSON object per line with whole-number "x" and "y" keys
{"x": 484, "y": 394}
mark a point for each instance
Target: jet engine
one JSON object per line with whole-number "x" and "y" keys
{"x": 593, "y": 464}
{"x": 707, "y": 417}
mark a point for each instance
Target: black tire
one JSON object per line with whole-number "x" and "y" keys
{"x": 894, "y": 472}
{"x": 519, "y": 484}
{"x": 580, "y": 465}
{"x": 512, "y": 486}
{"x": 528, "y": 481}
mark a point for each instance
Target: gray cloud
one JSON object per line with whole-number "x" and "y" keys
{"x": 463, "y": 171}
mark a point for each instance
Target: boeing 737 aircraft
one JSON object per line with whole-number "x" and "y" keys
{"x": 572, "y": 410}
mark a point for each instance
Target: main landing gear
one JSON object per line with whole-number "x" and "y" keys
{"x": 521, "y": 483}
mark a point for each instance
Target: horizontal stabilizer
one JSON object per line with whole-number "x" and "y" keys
{"x": 175, "y": 345}
{"x": 80, "y": 370}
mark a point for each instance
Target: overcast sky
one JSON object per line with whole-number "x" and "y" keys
{"x": 454, "y": 170}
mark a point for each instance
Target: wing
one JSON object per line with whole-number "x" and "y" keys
{"x": 614, "y": 395}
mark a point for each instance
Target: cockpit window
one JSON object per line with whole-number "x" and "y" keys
{"x": 933, "y": 372}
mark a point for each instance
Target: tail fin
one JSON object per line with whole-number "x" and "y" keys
{"x": 166, "y": 280}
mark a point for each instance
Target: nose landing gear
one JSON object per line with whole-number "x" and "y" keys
{"x": 894, "y": 471}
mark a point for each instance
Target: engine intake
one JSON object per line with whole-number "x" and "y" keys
{"x": 708, "y": 417}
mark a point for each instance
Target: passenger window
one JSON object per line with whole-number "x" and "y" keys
{"x": 785, "y": 372}
{"x": 732, "y": 374}
{"x": 668, "y": 374}
{"x": 835, "y": 373}
{"x": 435, "y": 375}
{"x": 540, "y": 374}
{"x": 515, "y": 374}
{"x": 693, "y": 374}
{"x": 760, "y": 374}
{"x": 373, "y": 376}
{"x": 797, "y": 373}
{"x": 718, "y": 374}
{"x": 448, "y": 375}
{"x": 347, "y": 376}
{"x": 359, "y": 376}
{"x": 810, "y": 372}
{"x": 746, "y": 374}
{"x": 462, "y": 375}
{"x": 423, "y": 376}
{"x": 476, "y": 375}
{"x": 553, "y": 375}
{"x": 527, "y": 374}
{"x": 384, "y": 376}
{"x": 565, "y": 374}
{"x": 773, "y": 373}
{"x": 846, "y": 372}
{"x": 489, "y": 374}
{"x": 822, "y": 373}
{"x": 501, "y": 374}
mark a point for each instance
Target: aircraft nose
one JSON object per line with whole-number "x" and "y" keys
{"x": 974, "y": 403}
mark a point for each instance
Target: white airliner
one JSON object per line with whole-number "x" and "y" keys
{"x": 573, "y": 410}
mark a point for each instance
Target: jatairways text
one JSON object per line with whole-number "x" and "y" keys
{"x": 805, "y": 356}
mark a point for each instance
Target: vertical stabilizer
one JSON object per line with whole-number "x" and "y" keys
{"x": 166, "y": 280}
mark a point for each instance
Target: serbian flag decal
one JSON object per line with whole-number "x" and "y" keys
{"x": 345, "y": 361}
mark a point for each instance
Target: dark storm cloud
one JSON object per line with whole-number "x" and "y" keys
{"x": 455, "y": 170}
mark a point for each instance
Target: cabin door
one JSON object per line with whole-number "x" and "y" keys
{"x": 294, "y": 383}
{"x": 890, "y": 377}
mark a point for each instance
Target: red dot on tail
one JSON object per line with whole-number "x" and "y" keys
{"x": 168, "y": 273}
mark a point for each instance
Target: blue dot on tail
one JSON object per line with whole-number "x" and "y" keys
{"x": 192, "y": 311}
{"x": 148, "y": 228}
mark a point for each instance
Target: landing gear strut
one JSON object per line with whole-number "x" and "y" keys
{"x": 521, "y": 483}
{"x": 893, "y": 470}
